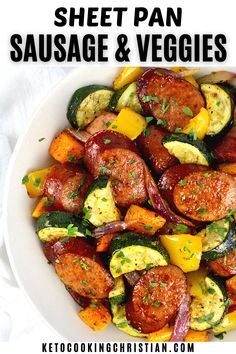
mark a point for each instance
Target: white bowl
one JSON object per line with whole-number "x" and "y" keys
{"x": 30, "y": 267}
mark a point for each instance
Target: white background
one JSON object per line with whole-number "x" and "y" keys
{"x": 27, "y": 16}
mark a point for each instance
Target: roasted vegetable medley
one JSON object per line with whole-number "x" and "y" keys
{"x": 137, "y": 214}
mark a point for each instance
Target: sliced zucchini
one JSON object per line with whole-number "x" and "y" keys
{"x": 99, "y": 205}
{"x": 117, "y": 294}
{"x": 120, "y": 321}
{"x": 87, "y": 103}
{"x": 208, "y": 310}
{"x": 125, "y": 97}
{"x": 56, "y": 224}
{"x": 131, "y": 251}
{"x": 188, "y": 150}
{"x": 220, "y": 106}
{"x": 218, "y": 239}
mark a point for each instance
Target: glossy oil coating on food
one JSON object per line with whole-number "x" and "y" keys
{"x": 172, "y": 176}
{"x": 79, "y": 267}
{"x": 154, "y": 152}
{"x": 172, "y": 95}
{"x": 225, "y": 266}
{"x": 66, "y": 187}
{"x": 155, "y": 298}
{"x": 206, "y": 196}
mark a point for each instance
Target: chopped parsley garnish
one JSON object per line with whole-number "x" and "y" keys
{"x": 202, "y": 286}
{"x": 221, "y": 335}
{"x": 164, "y": 106}
{"x": 94, "y": 304}
{"x": 231, "y": 214}
{"x": 183, "y": 197}
{"x": 114, "y": 126}
{"x": 132, "y": 162}
{"x": 64, "y": 239}
{"x": 148, "y": 119}
{"x": 201, "y": 211}
{"x": 215, "y": 227}
{"x": 41, "y": 139}
{"x": 86, "y": 212}
{"x": 73, "y": 195}
{"x": 162, "y": 122}
{"x": 146, "y": 99}
{"x": 111, "y": 162}
{"x": 181, "y": 228}
{"x": 156, "y": 304}
{"x": 103, "y": 169}
{"x": 72, "y": 230}
{"x": 178, "y": 130}
{"x": 84, "y": 282}
{"x": 37, "y": 181}
{"x": 84, "y": 265}
{"x": 153, "y": 285}
{"x": 187, "y": 111}
{"x": 107, "y": 141}
{"x": 148, "y": 266}
{"x": 132, "y": 174}
{"x": 71, "y": 158}
{"x": 48, "y": 202}
{"x": 192, "y": 134}
{"x": 163, "y": 284}
{"x": 158, "y": 73}
{"x": 25, "y": 179}
{"x": 146, "y": 132}
{"x": 76, "y": 259}
{"x": 88, "y": 232}
{"x": 114, "y": 182}
{"x": 123, "y": 324}
{"x": 218, "y": 103}
{"x": 147, "y": 227}
{"x": 182, "y": 183}
{"x": 104, "y": 199}
{"x": 186, "y": 249}
{"x": 211, "y": 291}
{"x": 206, "y": 318}
{"x": 145, "y": 301}
{"x": 106, "y": 124}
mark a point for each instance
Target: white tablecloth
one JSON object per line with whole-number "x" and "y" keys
{"x": 21, "y": 90}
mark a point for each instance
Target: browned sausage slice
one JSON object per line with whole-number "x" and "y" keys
{"x": 154, "y": 152}
{"x": 79, "y": 267}
{"x": 127, "y": 173}
{"x": 156, "y": 298}
{"x": 225, "y": 266}
{"x": 100, "y": 123}
{"x": 66, "y": 186}
{"x": 206, "y": 196}
{"x": 174, "y": 98}
{"x": 225, "y": 151}
{"x": 172, "y": 176}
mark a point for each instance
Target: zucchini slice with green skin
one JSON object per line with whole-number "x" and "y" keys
{"x": 125, "y": 97}
{"x": 220, "y": 106}
{"x": 131, "y": 251}
{"x": 117, "y": 294}
{"x": 99, "y": 205}
{"x": 218, "y": 239}
{"x": 56, "y": 224}
{"x": 188, "y": 150}
{"x": 209, "y": 309}
{"x": 120, "y": 321}
{"x": 87, "y": 103}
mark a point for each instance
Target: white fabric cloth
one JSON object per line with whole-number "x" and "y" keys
{"x": 21, "y": 90}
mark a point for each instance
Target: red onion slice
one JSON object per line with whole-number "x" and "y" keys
{"x": 80, "y": 135}
{"x": 182, "y": 320}
{"x": 160, "y": 205}
{"x": 216, "y": 77}
{"x": 111, "y": 227}
{"x": 132, "y": 277}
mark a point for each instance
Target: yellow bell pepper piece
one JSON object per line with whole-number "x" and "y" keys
{"x": 196, "y": 282}
{"x": 199, "y": 124}
{"x": 184, "y": 250}
{"x": 164, "y": 335}
{"x": 189, "y": 78}
{"x": 34, "y": 182}
{"x": 228, "y": 323}
{"x": 126, "y": 76}
{"x": 128, "y": 123}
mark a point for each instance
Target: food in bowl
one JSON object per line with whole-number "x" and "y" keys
{"x": 136, "y": 215}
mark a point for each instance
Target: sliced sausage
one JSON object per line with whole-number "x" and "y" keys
{"x": 172, "y": 176}
{"x": 175, "y": 98}
{"x": 225, "y": 266}
{"x": 104, "y": 140}
{"x": 154, "y": 153}
{"x": 66, "y": 186}
{"x": 225, "y": 151}
{"x": 126, "y": 170}
{"x": 231, "y": 285}
{"x": 79, "y": 267}
{"x": 100, "y": 123}
{"x": 155, "y": 298}
{"x": 206, "y": 196}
